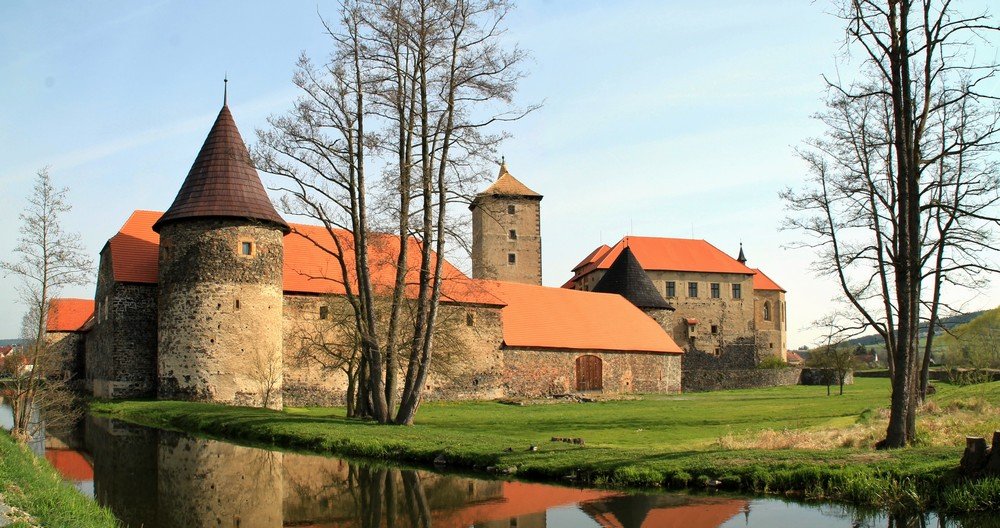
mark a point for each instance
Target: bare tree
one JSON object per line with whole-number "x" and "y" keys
{"x": 882, "y": 176}
{"x": 411, "y": 89}
{"x": 46, "y": 259}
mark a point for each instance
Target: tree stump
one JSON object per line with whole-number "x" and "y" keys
{"x": 993, "y": 464}
{"x": 975, "y": 457}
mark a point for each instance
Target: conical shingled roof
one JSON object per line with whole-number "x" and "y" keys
{"x": 508, "y": 185}
{"x": 222, "y": 181}
{"x": 627, "y": 278}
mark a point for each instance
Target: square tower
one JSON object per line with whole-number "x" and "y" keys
{"x": 507, "y": 232}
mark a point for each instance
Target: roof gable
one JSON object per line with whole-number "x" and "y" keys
{"x": 627, "y": 278}
{"x": 222, "y": 181}
{"x": 545, "y": 317}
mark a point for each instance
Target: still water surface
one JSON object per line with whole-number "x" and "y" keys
{"x": 152, "y": 478}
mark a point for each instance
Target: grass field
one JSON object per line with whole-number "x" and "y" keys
{"x": 659, "y": 440}
{"x": 31, "y": 485}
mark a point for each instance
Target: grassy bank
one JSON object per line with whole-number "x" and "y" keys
{"x": 668, "y": 441}
{"x": 31, "y": 485}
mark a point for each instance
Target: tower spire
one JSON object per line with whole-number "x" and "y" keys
{"x": 225, "y": 90}
{"x": 742, "y": 259}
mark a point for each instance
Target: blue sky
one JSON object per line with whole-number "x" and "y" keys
{"x": 659, "y": 118}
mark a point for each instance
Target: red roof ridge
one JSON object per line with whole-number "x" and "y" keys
{"x": 68, "y": 314}
{"x": 762, "y": 282}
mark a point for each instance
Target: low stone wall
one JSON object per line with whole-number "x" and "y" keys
{"x": 702, "y": 380}
{"x": 949, "y": 375}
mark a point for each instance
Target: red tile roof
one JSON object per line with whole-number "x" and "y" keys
{"x": 671, "y": 254}
{"x": 222, "y": 181}
{"x": 594, "y": 256}
{"x": 69, "y": 315}
{"x": 309, "y": 266}
{"x": 544, "y": 317}
{"x": 763, "y": 282}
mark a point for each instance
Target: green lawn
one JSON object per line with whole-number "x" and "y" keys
{"x": 656, "y": 441}
{"x": 33, "y": 486}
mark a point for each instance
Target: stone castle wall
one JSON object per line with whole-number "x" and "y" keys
{"x": 466, "y": 362}
{"x": 120, "y": 349}
{"x": 220, "y": 312}
{"x": 538, "y": 373}
{"x": 699, "y": 380}
{"x": 492, "y": 243}
{"x": 65, "y": 355}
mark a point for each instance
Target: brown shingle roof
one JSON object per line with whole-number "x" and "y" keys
{"x": 222, "y": 181}
{"x": 508, "y": 185}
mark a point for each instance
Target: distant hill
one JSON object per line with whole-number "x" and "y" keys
{"x": 946, "y": 322}
{"x": 9, "y": 342}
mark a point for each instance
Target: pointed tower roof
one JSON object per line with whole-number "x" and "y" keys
{"x": 627, "y": 278}
{"x": 222, "y": 182}
{"x": 742, "y": 259}
{"x": 508, "y": 185}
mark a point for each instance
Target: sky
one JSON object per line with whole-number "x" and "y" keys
{"x": 658, "y": 118}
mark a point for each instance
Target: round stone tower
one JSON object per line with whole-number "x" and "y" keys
{"x": 219, "y": 318}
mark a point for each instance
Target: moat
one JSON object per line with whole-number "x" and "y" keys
{"x": 155, "y": 478}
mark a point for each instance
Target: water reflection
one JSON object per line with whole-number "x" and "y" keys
{"x": 152, "y": 478}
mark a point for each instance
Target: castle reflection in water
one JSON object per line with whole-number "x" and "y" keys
{"x": 159, "y": 479}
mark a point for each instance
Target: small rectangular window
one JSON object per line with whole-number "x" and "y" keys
{"x": 511, "y": 209}
{"x": 715, "y": 290}
{"x": 671, "y": 289}
{"x": 715, "y": 329}
{"x": 324, "y": 312}
{"x": 511, "y": 258}
{"x": 470, "y": 319}
{"x": 737, "y": 294}
{"x": 512, "y": 234}
{"x": 246, "y": 248}
{"x": 236, "y": 304}
{"x": 692, "y": 289}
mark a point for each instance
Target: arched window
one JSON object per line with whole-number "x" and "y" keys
{"x": 767, "y": 310}
{"x": 589, "y": 374}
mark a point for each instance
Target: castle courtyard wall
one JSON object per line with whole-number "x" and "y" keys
{"x": 466, "y": 363}
{"x": 541, "y": 372}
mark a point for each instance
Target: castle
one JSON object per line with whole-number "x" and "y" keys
{"x": 220, "y": 299}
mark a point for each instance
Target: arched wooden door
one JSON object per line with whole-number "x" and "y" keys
{"x": 589, "y": 375}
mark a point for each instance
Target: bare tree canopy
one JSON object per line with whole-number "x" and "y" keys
{"x": 46, "y": 259}
{"x": 389, "y": 132}
{"x": 902, "y": 196}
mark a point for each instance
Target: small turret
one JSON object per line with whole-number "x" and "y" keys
{"x": 742, "y": 259}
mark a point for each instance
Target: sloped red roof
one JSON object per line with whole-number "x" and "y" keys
{"x": 309, "y": 265}
{"x": 763, "y": 282}
{"x": 222, "y": 181}
{"x": 545, "y": 317}
{"x": 594, "y": 256}
{"x": 670, "y": 254}
{"x": 69, "y": 315}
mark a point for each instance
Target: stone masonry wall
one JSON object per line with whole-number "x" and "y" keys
{"x": 492, "y": 243}
{"x": 772, "y": 331}
{"x": 220, "y": 312}
{"x": 465, "y": 365}
{"x": 120, "y": 349}
{"x": 537, "y": 373}
{"x": 712, "y": 379}
{"x": 65, "y": 353}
